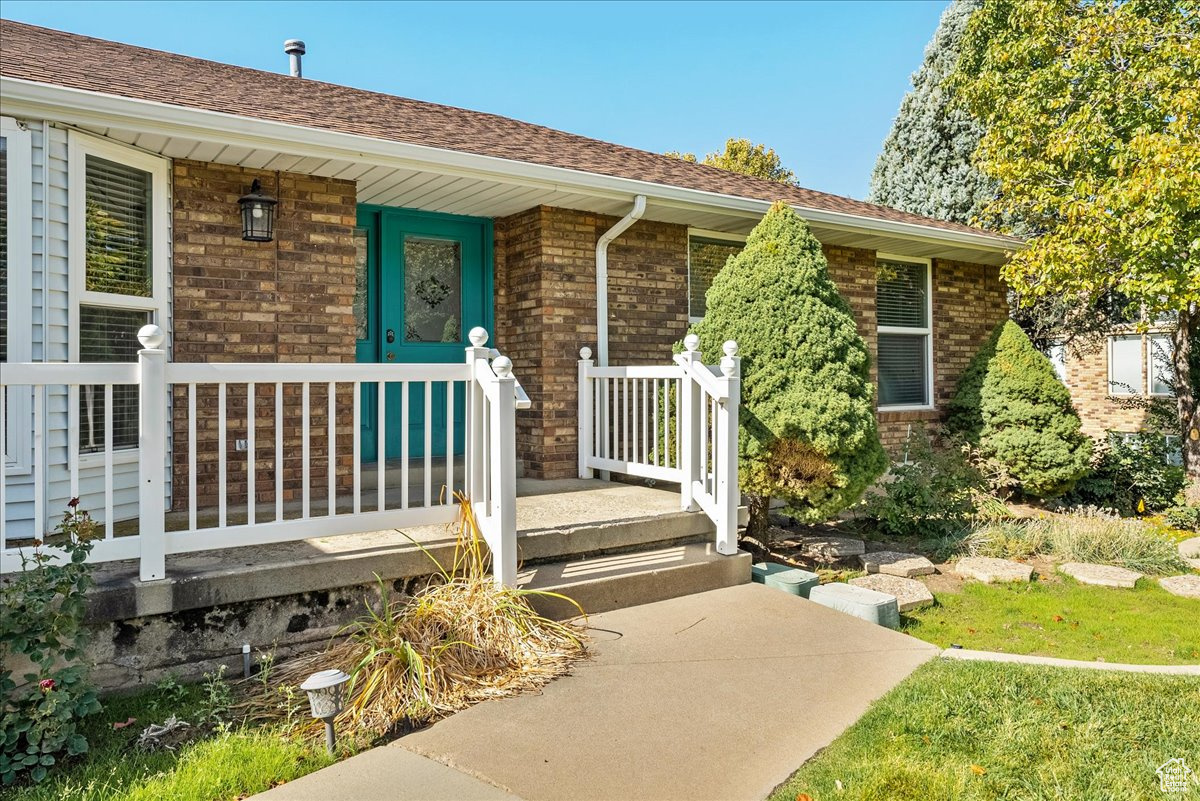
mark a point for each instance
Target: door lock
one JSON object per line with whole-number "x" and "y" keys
{"x": 391, "y": 335}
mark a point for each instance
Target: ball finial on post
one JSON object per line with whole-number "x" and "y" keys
{"x": 478, "y": 336}
{"x": 502, "y": 366}
{"x": 691, "y": 342}
{"x": 730, "y": 348}
{"x": 151, "y": 336}
{"x": 585, "y": 353}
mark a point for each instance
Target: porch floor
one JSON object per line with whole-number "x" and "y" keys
{"x": 555, "y": 519}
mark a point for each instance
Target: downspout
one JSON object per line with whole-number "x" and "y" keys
{"x": 639, "y": 208}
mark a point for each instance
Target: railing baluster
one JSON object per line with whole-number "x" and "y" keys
{"x": 404, "y": 428}
{"x": 250, "y": 452}
{"x": 381, "y": 443}
{"x": 279, "y": 461}
{"x": 108, "y": 462}
{"x": 428, "y": 442}
{"x": 221, "y": 488}
{"x": 356, "y": 439}
{"x": 449, "y": 442}
{"x": 191, "y": 457}
{"x": 305, "y": 442}
{"x": 331, "y": 447}
{"x": 654, "y": 417}
{"x": 636, "y": 457}
{"x": 73, "y": 442}
{"x": 39, "y": 461}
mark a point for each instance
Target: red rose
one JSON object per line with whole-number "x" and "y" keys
{"x": 47, "y": 685}
{"x": 73, "y": 503}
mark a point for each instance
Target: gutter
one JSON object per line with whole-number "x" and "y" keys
{"x": 635, "y": 214}
{"x": 24, "y": 98}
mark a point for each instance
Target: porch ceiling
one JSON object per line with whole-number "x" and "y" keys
{"x": 479, "y": 196}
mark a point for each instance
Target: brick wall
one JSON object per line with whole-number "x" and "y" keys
{"x": 546, "y": 311}
{"x": 290, "y": 300}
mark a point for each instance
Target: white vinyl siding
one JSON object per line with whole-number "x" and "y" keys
{"x": 903, "y": 306}
{"x": 16, "y": 289}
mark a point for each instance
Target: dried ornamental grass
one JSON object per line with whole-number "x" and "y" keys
{"x": 456, "y": 642}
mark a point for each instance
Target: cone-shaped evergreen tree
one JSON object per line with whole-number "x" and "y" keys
{"x": 925, "y": 166}
{"x": 1011, "y": 404}
{"x": 808, "y": 431}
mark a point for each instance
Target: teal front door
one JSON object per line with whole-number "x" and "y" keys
{"x": 425, "y": 280}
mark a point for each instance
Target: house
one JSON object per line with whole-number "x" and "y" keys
{"x": 137, "y": 187}
{"x": 1114, "y": 380}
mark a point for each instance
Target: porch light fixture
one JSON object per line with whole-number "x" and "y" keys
{"x": 326, "y": 690}
{"x": 258, "y": 214}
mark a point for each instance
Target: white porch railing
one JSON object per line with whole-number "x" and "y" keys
{"x": 299, "y": 425}
{"x": 675, "y": 423}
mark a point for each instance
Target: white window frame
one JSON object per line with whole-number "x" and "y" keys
{"x": 1140, "y": 389}
{"x": 19, "y": 219}
{"x": 927, "y": 331}
{"x": 79, "y": 147}
{"x": 703, "y": 233}
{"x": 1150, "y": 370}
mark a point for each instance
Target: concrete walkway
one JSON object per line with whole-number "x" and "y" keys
{"x": 718, "y": 695}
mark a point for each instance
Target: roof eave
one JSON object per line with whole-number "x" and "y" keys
{"x": 82, "y": 107}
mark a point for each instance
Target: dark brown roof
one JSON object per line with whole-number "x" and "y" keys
{"x": 80, "y": 62}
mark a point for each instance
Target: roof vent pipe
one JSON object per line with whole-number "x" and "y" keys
{"x": 295, "y": 49}
{"x": 635, "y": 214}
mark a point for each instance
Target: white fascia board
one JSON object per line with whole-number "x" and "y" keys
{"x": 81, "y": 107}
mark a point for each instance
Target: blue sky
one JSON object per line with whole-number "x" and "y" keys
{"x": 819, "y": 82}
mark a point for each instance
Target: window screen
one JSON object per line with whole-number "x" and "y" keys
{"x": 903, "y": 376}
{"x": 1161, "y": 351}
{"x": 706, "y": 257}
{"x": 109, "y": 335}
{"x": 1125, "y": 365}
{"x": 117, "y": 219}
{"x": 901, "y": 295}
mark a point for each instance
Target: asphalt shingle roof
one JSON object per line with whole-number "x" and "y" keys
{"x": 80, "y": 62}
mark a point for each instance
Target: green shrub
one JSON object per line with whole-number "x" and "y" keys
{"x": 1131, "y": 475}
{"x": 1184, "y": 515}
{"x": 808, "y": 429}
{"x": 42, "y": 624}
{"x": 1011, "y": 404}
{"x": 931, "y": 495}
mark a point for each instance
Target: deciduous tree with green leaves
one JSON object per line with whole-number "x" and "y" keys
{"x": 746, "y": 157}
{"x": 808, "y": 431}
{"x": 1091, "y": 111}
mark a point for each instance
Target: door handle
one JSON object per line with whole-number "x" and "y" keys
{"x": 391, "y": 356}
{"x": 391, "y": 336}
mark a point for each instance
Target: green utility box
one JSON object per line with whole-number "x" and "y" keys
{"x": 877, "y": 607}
{"x": 782, "y": 577}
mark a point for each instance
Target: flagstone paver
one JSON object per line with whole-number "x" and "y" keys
{"x": 831, "y": 549}
{"x": 1100, "y": 575}
{"x": 909, "y": 593}
{"x": 1187, "y": 586}
{"x": 1190, "y": 551}
{"x": 991, "y": 570}
{"x": 896, "y": 563}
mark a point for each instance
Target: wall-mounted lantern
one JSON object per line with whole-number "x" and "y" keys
{"x": 258, "y": 214}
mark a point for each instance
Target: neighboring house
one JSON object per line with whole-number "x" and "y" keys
{"x": 1113, "y": 381}
{"x": 399, "y": 226}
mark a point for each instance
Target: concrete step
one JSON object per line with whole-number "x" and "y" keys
{"x": 604, "y": 583}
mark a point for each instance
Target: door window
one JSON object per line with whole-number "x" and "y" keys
{"x": 432, "y": 290}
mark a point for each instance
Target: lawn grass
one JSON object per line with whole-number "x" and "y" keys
{"x": 225, "y": 764}
{"x": 978, "y": 730}
{"x": 1145, "y": 625}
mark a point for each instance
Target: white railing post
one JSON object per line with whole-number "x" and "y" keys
{"x": 152, "y": 452}
{"x": 585, "y": 412}
{"x": 473, "y": 461}
{"x": 728, "y": 493}
{"x": 688, "y": 430}
{"x": 504, "y": 475}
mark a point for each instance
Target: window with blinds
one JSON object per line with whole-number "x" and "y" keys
{"x": 109, "y": 335}
{"x": 903, "y": 312}
{"x": 706, "y": 257}
{"x": 117, "y": 251}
